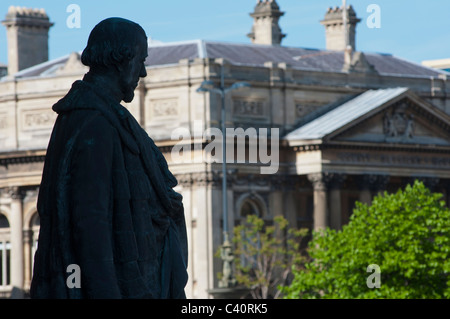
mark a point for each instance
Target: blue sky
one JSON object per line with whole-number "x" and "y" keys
{"x": 411, "y": 29}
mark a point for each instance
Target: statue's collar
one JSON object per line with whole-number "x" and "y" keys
{"x": 120, "y": 110}
{"x": 114, "y": 112}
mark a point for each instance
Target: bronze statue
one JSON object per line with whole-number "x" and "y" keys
{"x": 106, "y": 201}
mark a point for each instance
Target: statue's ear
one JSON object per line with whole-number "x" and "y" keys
{"x": 120, "y": 66}
{"x": 121, "y": 58}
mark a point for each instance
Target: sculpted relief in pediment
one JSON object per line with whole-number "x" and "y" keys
{"x": 398, "y": 124}
{"x": 401, "y": 123}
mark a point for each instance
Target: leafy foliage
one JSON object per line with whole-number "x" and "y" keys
{"x": 265, "y": 255}
{"x": 407, "y": 234}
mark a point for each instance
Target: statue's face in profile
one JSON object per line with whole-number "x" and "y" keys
{"x": 133, "y": 70}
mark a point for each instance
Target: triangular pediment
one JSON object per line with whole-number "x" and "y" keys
{"x": 72, "y": 65}
{"x": 406, "y": 119}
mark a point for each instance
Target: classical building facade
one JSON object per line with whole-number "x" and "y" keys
{"x": 441, "y": 64}
{"x": 343, "y": 125}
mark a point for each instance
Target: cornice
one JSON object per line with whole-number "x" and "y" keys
{"x": 22, "y": 158}
{"x": 371, "y": 147}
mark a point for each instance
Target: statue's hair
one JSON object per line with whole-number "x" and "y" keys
{"x": 112, "y": 42}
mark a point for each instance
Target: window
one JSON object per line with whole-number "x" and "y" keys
{"x": 250, "y": 207}
{"x": 4, "y": 224}
{"x": 35, "y": 225}
{"x": 304, "y": 204}
{"x": 5, "y": 253}
{"x": 250, "y": 204}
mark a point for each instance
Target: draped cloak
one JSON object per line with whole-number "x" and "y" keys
{"x": 106, "y": 204}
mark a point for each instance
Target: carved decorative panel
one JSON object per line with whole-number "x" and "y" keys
{"x": 38, "y": 119}
{"x": 249, "y": 108}
{"x": 303, "y": 109}
{"x": 167, "y": 108}
{"x": 3, "y": 121}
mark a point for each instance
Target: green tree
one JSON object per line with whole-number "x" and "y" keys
{"x": 407, "y": 234}
{"x": 266, "y": 255}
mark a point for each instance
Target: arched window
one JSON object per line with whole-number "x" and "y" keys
{"x": 4, "y": 224}
{"x": 34, "y": 226}
{"x": 251, "y": 205}
{"x": 250, "y": 208}
{"x": 5, "y": 253}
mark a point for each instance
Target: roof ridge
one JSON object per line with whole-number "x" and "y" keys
{"x": 262, "y": 45}
{"x": 42, "y": 65}
{"x": 173, "y": 43}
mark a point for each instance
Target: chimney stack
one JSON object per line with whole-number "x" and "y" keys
{"x": 27, "y": 33}
{"x": 266, "y": 29}
{"x": 337, "y": 38}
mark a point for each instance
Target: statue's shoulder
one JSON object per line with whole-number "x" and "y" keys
{"x": 79, "y": 97}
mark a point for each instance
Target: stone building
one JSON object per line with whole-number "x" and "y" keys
{"x": 441, "y": 64}
{"x": 350, "y": 124}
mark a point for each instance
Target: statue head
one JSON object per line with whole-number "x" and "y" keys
{"x": 118, "y": 47}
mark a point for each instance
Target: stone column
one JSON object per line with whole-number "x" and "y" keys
{"x": 369, "y": 184}
{"x": 28, "y": 237}
{"x": 365, "y": 194}
{"x": 335, "y": 184}
{"x": 27, "y": 248}
{"x": 380, "y": 183}
{"x": 277, "y": 194}
{"x": 17, "y": 260}
{"x": 321, "y": 218}
{"x": 291, "y": 190}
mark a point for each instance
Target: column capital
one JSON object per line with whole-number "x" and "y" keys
{"x": 429, "y": 181}
{"x": 336, "y": 180}
{"x": 318, "y": 180}
{"x": 373, "y": 182}
{"x": 31, "y": 193}
{"x": 185, "y": 180}
{"x": 277, "y": 183}
{"x": 286, "y": 182}
{"x": 14, "y": 192}
{"x": 326, "y": 180}
{"x": 205, "y": 178}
